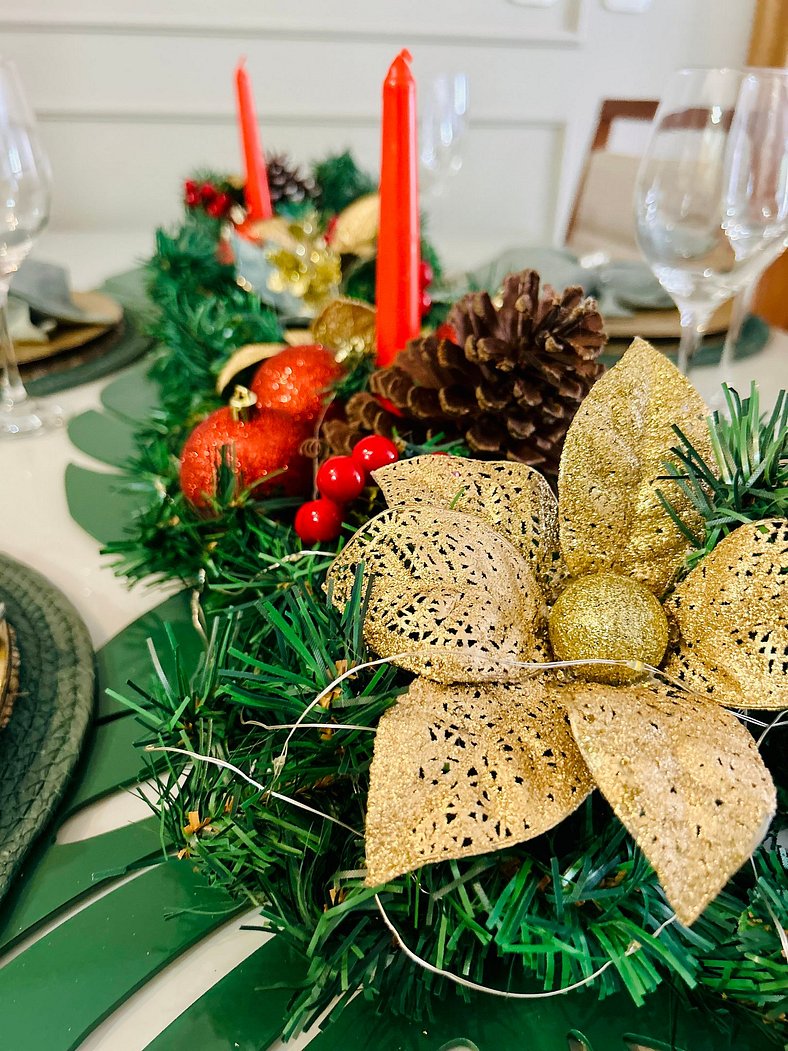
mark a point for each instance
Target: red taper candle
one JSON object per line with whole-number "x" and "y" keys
{"x": 258, "y": 196}
{"x": 397, "y": 292}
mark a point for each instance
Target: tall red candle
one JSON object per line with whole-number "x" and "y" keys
{"x": 397, "y": 292}
{"x": 258, "y": 196}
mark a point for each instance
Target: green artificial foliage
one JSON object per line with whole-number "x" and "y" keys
{"x": 340, "y": 181}
{"x": 748, "y": 478}
{"x": 542, "y": 915}
{"x": 202, "y": 314}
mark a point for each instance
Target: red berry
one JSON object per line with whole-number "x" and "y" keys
{"x": 374, "y": 452}
{"x": 318, "y": 520}
{"x": 446, "y": 331}
{"x": 340, "y": 479}
{"x": 425, "y": 274}
{"x": 207, "y": 193}
{"x": 330, "y": 228}
{"x": 190, "y": 186}
{"x": 219, "y": 206}
{"x": 192, "y": 199}
{"x": 425, "y": 303}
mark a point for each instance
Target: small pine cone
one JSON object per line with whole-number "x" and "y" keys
{"x": 512, "y": 383}
{"x": 286, "y": 182}
{"x": 363, "y": 415}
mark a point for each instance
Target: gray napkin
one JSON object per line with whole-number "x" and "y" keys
{"x": 44, "y": 288}
{"x": 252, "y": 265}
{"x": 620, "y": 287}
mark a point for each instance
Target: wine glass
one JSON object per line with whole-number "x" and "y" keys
{"x": 444, "y": 121}
{"x": 711, "y": 196}
{"x": 24, "y": 209}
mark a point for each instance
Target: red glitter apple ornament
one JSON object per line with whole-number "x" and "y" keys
{"x": 264, "y": 449}
{"x": 296, "y": 381}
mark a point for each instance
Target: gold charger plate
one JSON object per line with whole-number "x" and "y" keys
{"x": 662, "y": 324}
{"x": 69, "y": 336}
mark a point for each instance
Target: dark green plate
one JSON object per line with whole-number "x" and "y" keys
{"x": 41, "y": 744}
{"x": 103, "y": 356}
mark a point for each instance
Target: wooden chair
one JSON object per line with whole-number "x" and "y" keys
{"x": 600, "y": 219}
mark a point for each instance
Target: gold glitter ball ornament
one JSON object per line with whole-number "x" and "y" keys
{"x": 609, "y": 617}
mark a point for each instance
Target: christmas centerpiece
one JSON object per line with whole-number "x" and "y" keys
{"x": 395, "y": 756}
{"x": 451, "y": 578}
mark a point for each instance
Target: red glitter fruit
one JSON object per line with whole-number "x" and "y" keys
{"x": 262, "y": 444}
{"x": 374, "y": 452}
{"x": 318, "y": 520}
{"x": 426, "y": 274}
{"x": 340, "y": 479}
{"x": 296, "y": 381}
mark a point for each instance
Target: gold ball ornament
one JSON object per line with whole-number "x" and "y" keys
{"x": 609, "y": 617}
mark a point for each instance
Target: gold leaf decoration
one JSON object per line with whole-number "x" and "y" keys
{"x": 463, "y": 770}
{"x": 242, "y": 358}
{"x": 276, "y": 231}
{"x": 683, "y": 775}
{"x": 511, "y": 498}
{"x": 448, "y": 598}
{"x": 612, "y": 467}
{"x": 733, "y": 617}
{"x": 347, "y": 327}
{"x": 356, "y": 229}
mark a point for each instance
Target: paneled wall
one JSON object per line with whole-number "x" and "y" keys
{"x": 132, "y": 94}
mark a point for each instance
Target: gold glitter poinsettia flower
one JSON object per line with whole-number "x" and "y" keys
{"x": 477, "y": 576}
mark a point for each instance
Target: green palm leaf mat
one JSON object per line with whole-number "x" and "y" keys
{"x": 102, "y": 502}
{"x": 41, "y": 744}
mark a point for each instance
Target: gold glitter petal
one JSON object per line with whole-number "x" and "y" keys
{"x": 511, "y": 498}
{"x": 463, "y": 770}
{"x": 732, "y": 612}
{"x": 684, "y": 776}
{"x": 356, "y": 229}
{"x": 445, "y": 588}
{"x": 612, "y": 467}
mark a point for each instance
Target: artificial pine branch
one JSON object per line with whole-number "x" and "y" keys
{"x": 546, "y": 913}
{"x": 748, "y": 477}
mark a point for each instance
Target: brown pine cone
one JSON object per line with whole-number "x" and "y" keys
{"x": 286, "y": 182}
{"x": 509, "y": 386}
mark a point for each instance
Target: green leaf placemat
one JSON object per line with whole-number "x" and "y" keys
{"x": 41, "y": 744}
{"x": 753, "y": 338}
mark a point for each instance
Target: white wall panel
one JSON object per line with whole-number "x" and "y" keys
{"x": 133, "y": 94}
{"x": 443, "y": 21}
{"x": 135, "y": 171}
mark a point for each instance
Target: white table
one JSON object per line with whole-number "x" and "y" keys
{"x": 37, "y": 528}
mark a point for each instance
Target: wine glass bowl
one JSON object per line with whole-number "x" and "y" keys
{"x": 25, "y": 191}
{"x": 444, "y": 120}
{"x": 711, "y": 196}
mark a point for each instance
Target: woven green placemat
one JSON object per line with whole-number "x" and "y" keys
{"x": 41, "y": 744}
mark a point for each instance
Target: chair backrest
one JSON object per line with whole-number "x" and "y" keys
{"x": 601, "y": 218}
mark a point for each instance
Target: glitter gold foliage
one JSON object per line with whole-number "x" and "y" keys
{"x": 612, "y": 467}
{"x": 488, "y": 748}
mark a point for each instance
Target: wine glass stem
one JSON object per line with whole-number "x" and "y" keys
{"x": 12, "y": 390}
{"x": 693, "y": 324}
